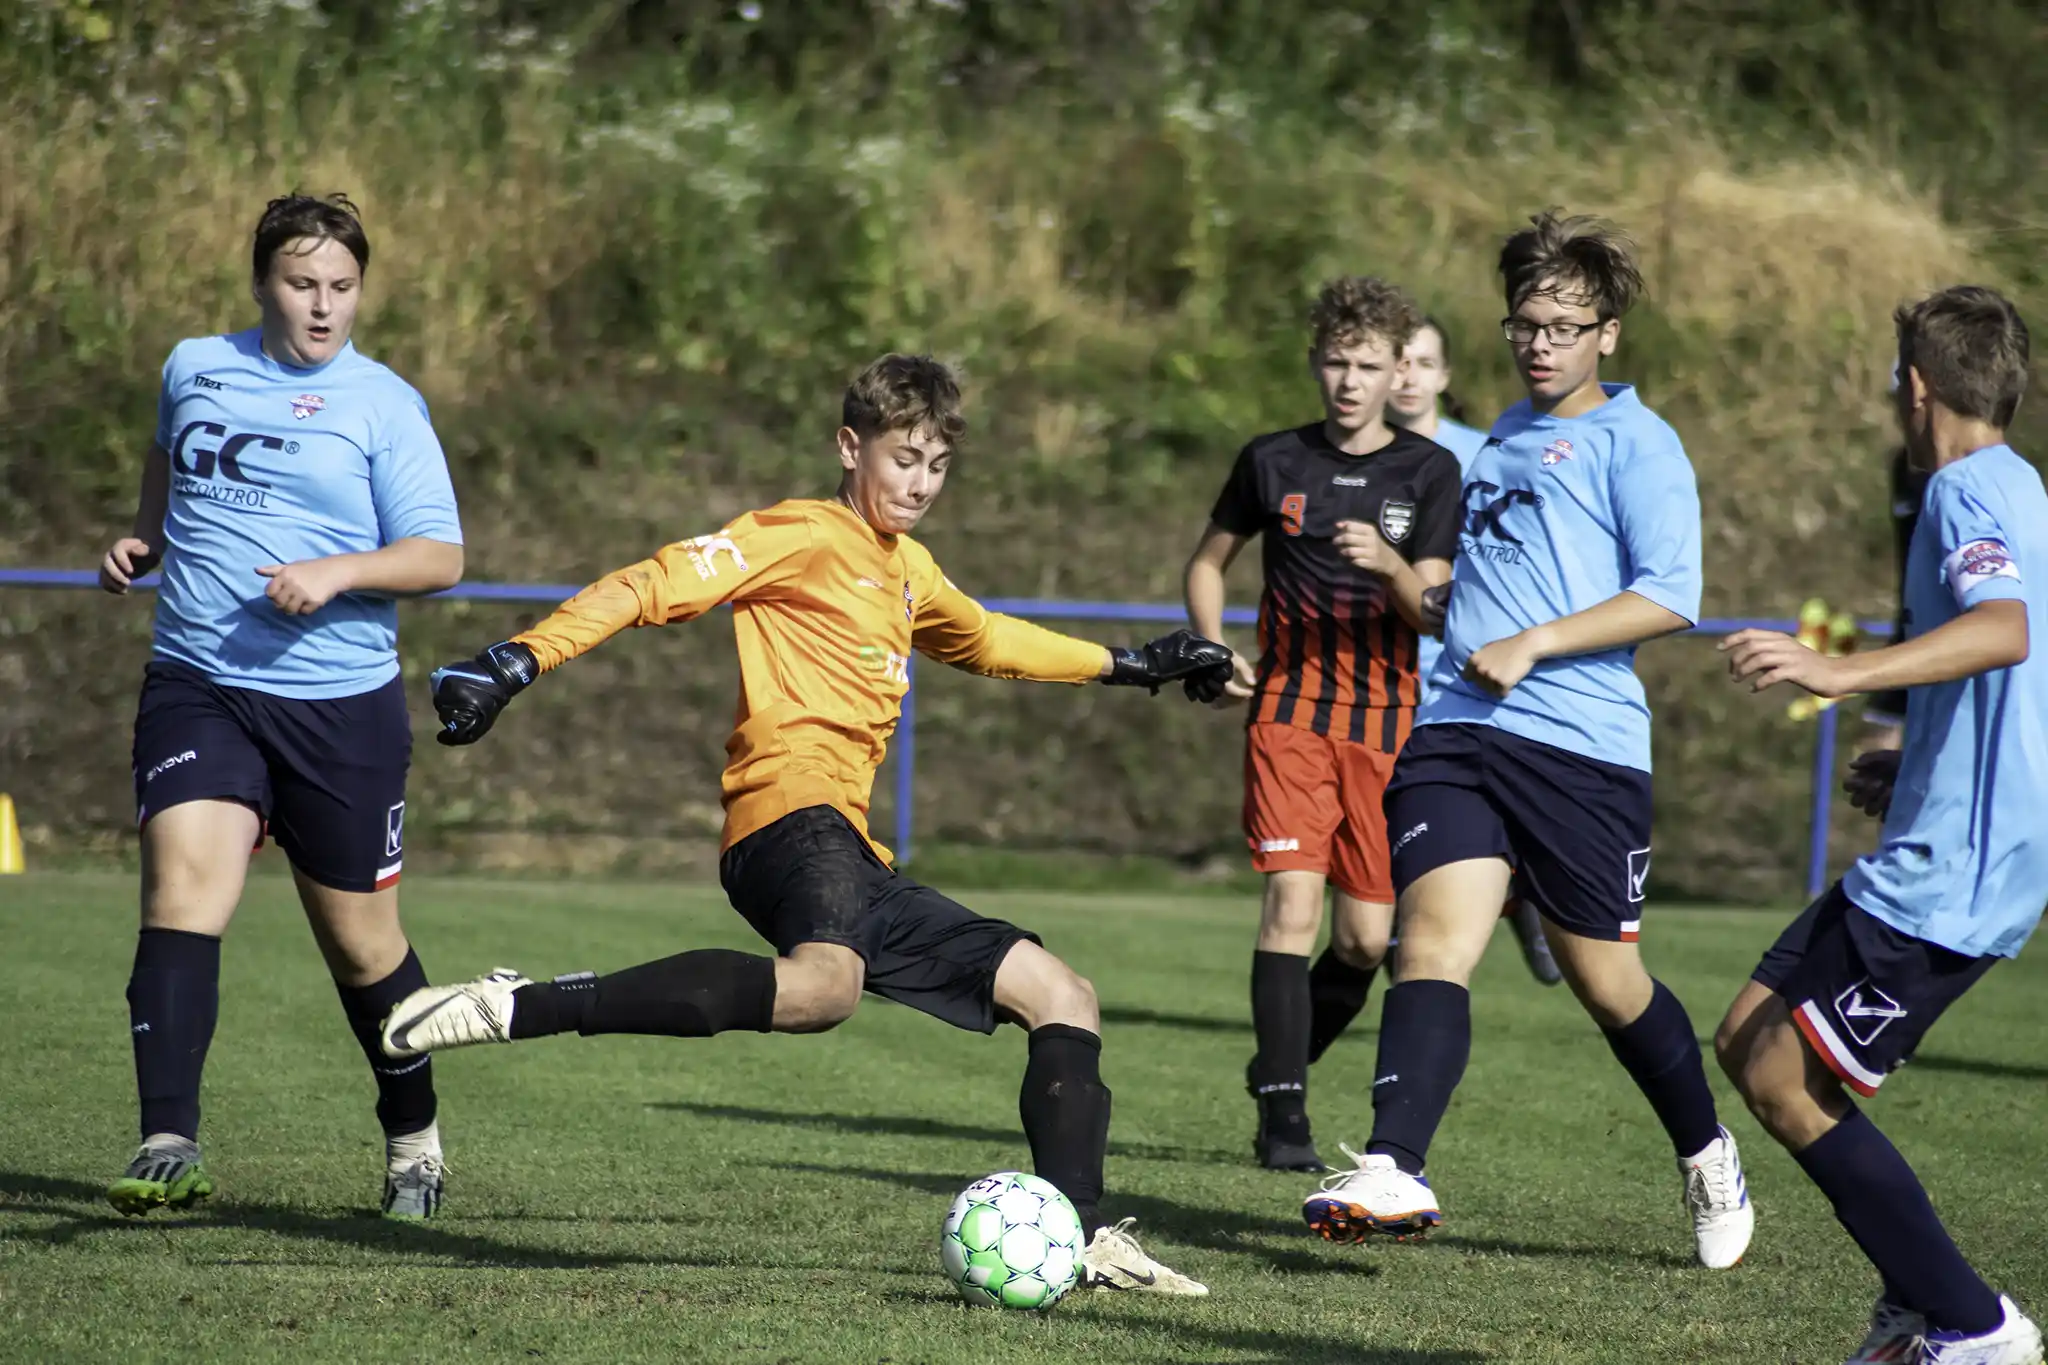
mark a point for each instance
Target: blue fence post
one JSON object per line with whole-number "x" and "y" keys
{"x": 1823, "y": 803}
{"x": 906, "y": 761}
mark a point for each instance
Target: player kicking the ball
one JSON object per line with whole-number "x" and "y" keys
{"x": 1530, "y": 762}
{"x": 1359, "y": 517}
{"x": 829, "y": 597}
{"x": 1958, "y": 877}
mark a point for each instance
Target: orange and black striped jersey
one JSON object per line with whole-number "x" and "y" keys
{"x": 1335, "y": 656}
{"x": 825, "y": 612}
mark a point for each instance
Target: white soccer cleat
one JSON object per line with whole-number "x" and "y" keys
{"x": 1723, "y": 1219}
{"x": 1376, "y": 1198}
{"x": 1114, "y": 1260}
{"x": 2016, "y": 1341}
{"x": 1893, "y": 1339}
{"x": 437, "y": 1017}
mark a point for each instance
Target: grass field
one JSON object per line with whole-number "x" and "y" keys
{"x": 763, "y": 1200}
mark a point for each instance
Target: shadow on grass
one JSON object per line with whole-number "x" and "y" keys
{"x": 55, "y": 1196}
{"x": 904, "y": 1125}
{"x": 1971, "y": 1066}
{"x": 1216, "y": 1229}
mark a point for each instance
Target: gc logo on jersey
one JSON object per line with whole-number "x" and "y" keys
{"x": 197, "y": 466}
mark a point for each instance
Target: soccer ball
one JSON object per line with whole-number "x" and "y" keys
{"x": 1012, "y": 1241}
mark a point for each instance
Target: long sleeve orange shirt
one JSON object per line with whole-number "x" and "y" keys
{"x": 825, "y": 611}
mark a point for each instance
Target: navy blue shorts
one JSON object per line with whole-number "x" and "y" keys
{"x": 327, "y": 777}
{"x": 1862, "y": 992}
{"x": 811, "y": 878}
{"x": 1576, "y": 830}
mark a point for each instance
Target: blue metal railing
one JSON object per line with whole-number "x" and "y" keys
{"x": 905, "y": 743}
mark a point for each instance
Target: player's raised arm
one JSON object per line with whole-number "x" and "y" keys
{"x": 954, "y": 629}
{"x": 755, "y": 556}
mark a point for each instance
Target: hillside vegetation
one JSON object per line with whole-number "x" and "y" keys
{"x": 630, "y": 253}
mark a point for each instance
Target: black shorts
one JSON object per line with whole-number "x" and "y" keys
{"x": 1576, "y": 830}
{"x": 1862, "y": 992}
{"x": 811, "y": 878}
{"x": 327, "y": 777}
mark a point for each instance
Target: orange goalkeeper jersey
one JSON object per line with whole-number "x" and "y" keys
{"x": 826, "y": 611}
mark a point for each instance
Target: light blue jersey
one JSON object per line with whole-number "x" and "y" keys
{"x": 1463, "y": 442}
{"x": 1560, "y": 515}
{"x": 1963, "y": 857}
{"x": 271, "y": 464}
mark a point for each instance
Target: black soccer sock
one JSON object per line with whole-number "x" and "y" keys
{"x": 1885, "y": 1209}
{"x": 1065, "y": 1108}
{"x": 1662, "y": 1057}
{"x": 405, "y": 1089}
{"x": 173, "y": 1004}
{"x": 690, "y": 995}
{"x": 1280, "y": 1021}
{"x": 1425, "y": 1041}
{"x": 1337, "y": 991}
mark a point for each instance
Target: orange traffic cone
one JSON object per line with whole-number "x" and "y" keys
{"x": 10, "y": 838}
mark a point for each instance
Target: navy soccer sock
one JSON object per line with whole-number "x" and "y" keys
{"x": 405, "y": 1089}
{"x": 1425, "y": 1041}
{"x": 1280, "y": 1021}
{"x": 1065, "y": 1109}
{"x": 690, "y": 995}
{"x": 1337, "y": 992}
{"x": 173, "y": 1004}
{"x": 1885, "y": 1209}
{"x": 1662, "y": 1057}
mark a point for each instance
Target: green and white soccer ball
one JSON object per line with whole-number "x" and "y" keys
{"x": 1012, "y": 1241}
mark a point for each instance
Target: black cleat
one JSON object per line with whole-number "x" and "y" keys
{"x": 1289, "y": 1150}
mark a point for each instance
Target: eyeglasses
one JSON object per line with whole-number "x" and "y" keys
{"x": 1562, "y": 335}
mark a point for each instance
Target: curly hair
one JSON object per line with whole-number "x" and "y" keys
{"x": 905, "y": 393}
{"x": 1351, "y": 308}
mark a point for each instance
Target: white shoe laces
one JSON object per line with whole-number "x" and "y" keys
{"x": 1711, "y": 1186}
{"x": 1337, "y": 1179}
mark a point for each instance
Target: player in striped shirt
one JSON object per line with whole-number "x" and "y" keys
{"x": 1358, "y": 519}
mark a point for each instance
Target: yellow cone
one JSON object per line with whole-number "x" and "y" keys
{"x": 10, "y": 838}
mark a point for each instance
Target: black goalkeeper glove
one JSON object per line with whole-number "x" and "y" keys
{"x": 469, "y": 695}
{"x": 1200, "y": 666}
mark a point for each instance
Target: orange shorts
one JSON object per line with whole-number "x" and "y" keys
{"x": 1312, "y": 804}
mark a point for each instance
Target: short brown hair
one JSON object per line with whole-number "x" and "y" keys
{"x": 1353, "y": 307}
{"x": 1970, "y": 345}
{"x": 905, "y": 393}
{"x": 1591, "y": 258}
{"x": 296, "y": 215}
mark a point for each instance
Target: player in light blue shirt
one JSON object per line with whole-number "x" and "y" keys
{"x": 1421, "y": 397}
{"x": 1529, "y": 764}
{"x": 294, "y": 490}
{"x": 1960, "y": 873}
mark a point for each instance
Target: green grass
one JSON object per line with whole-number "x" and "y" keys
{"x": 759, "y": 1199}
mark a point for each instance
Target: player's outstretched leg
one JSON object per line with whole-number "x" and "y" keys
{"x": 1934, "y": 1308}
{"x": 1065, "y": 1109}
{"x": 690, "y": 995}
{"x": 1651, "y": 1035}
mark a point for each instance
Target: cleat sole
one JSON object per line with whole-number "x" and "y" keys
{"x": 1334, "y": 1220}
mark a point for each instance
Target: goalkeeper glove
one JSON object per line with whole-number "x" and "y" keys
{"x": 469, "y": 695}
{"x": 1200, "y": 666}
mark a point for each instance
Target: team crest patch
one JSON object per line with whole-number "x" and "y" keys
{"x": 306, "y": 404}
{"x": 1396, "y": 520}
{"x": 1557, "y": 452}
{"x": 1979, "y": 562}
{"x": 1866, "y": 1011}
